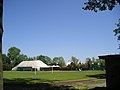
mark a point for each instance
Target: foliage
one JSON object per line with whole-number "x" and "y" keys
{"x": 117, "y": 30}
{"x": 89, "y": 63}
{"x": 93, "y": 63}
{"x": 102, "y": 5}
{"x": 59, "y": 61}
{"x": 13, "y": 53}
{"x": 12, "y": 58}
{"x": 47, "y": 60}
{"x": 21, "y": 57}
{"x": 6, "y": 62}
{"x": 101, "y": 63}
{"x": 75, "y": 62}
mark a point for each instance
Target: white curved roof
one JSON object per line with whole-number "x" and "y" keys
{"x": 68, "y": 63}
{"x": 33, "y": 64}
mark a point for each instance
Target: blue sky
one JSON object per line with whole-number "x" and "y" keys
{"x": 58, "y": 28}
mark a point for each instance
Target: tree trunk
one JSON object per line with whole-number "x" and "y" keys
{"x": 1, "y": 32}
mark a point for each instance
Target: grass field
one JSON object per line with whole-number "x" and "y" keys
{"x": 29, "y": 78}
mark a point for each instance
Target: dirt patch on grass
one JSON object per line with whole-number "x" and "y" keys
{"x": 74, "y": 82}
{"x": 83, "y": 84}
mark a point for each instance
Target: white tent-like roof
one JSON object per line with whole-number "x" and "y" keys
{"x": 68, "y": 63}
{"x": 55, "y": 66}
{"x": 34, "y": 64}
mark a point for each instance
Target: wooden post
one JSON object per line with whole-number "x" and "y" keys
{"x": 1, "y": 32}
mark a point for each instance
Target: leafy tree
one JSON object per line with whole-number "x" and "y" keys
{"x": 102, "y": 5}
{"x": 117, "y": 31}
{"x": 6, "y": 62}
{"x": 83, "y": 66}
{"x": 95, "y": 5}
{"x": 13, "y": 55}
{"x": 101, "y": 62}
{"x": 12, "y": 58}
{"x": 30, "y": 58}
{"x": 55, "y": 60}
{"x": 75, "y": 62}
{"x": 59, "y": 61}
{"x": 94, "y": 63}
{"x": 88, "y": 63}
{"x": 93, "y": 59}
{"x": 20, "y": 58}
{"x": 47, "y": 60}
{"x": 23, "y": 57}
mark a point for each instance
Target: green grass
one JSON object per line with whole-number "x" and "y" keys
{"x": 48, "y": 76}
{"x": 46, "y": 80}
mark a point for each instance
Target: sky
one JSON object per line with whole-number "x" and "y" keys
{"x": 57, "y": 28}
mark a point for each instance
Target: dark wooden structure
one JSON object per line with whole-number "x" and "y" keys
{"x": 112, "y": 71}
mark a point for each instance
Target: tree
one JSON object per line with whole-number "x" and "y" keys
{"x": 13, "y": 58}
{"x": 30, "y": 58}
{"x": 88, "y": 63}
{"x": 95, "y": 5}
{"x": 13, "y": 52}
{"x": 6, "y": 62}
{"x": 59, "y": 61}
{"x": 93, "y": 63}
{"x": 74, "y": 62}
{"x": 117, "y": 31}
{"x": 102, "y": 5}
{"x": 20, "y": 58}
{"x": 23, "y": 57}
{"x": 55, "y": 60}
{"x": 47, "y": 60}
{"x": 101, "y": 64}
{"x": 1, "y": 33}
{"x": 13, "y": 55}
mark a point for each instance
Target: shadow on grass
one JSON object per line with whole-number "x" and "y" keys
{"x": 26, "y": 84}
{"x": 98, "y": 76}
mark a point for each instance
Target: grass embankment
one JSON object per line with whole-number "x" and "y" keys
{"x": 26, "y": 80}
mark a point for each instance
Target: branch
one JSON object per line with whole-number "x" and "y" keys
{"x": 101, "y": 5}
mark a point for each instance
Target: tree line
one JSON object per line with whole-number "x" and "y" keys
{"x": 14, "y": 57}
